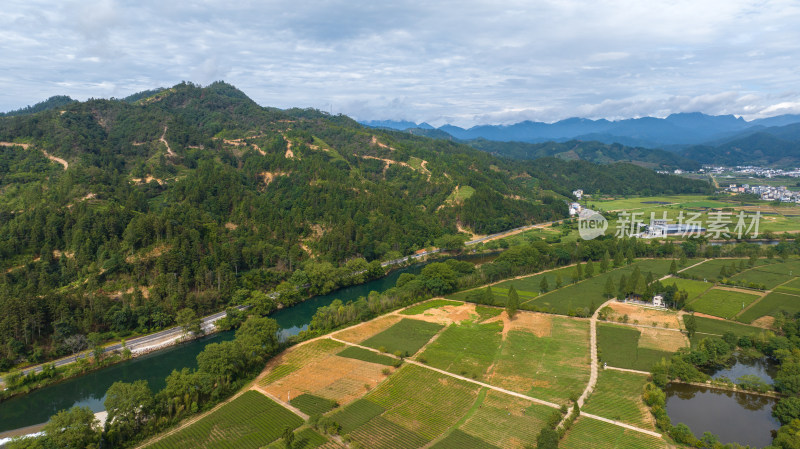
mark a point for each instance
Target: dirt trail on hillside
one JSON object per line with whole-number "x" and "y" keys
{"x": 164, "y": 141}
{"x": 25, "y": 146}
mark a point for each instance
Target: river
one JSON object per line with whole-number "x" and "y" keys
{"x": 89, "y": 389}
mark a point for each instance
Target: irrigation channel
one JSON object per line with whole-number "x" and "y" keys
{"x": 89, "y": 389}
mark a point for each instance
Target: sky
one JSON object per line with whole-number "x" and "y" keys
{"x": 461, "y": 62}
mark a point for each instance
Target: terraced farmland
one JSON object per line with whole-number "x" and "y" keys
{"x": 771, "y": 305}
{"x": 250, "y": 421}
{"x": 432, "y": 304}
{"x": 380, "y": 433}
{"x": 592, "y": 434}
{"x": 407, "y": 336}
{"x": 357, "y": 353}
{"x": 467, "y": 349}
{"x": 506, "y": 421}
{"x": 295, "y": 358}
{"x": 460, "y": 440}
{"x": 553, "y": 367}
{"x": 589, "y": 292}
{"x": 618, "y": 396}
{"x": 311, "y": 405}
{"x": 723, "y": 303}
{"x": 424, "y": 401}
{"x": 619, "y": 347}
{"x": 356, "y": 414}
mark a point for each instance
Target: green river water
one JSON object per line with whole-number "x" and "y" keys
{"x": 89, "y": 389}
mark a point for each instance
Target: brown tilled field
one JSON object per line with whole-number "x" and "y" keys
{"x": 649, "y": 317}
{"x": 363, "y": 331}
{"x": 447, "y": 315}
{"x": 539, "y": 324}
{"x": 337, "y": 378}
{"x": 662, "y": 340}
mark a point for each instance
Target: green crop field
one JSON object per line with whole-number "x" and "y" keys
{"x": 506, "y": 421}
{"x": 553, "y": 367}
{"x": 353, "y": 352}
{"x": 460, "y": 440}
{"x": 380, "y": 433}
{"x": 406, "y": 336}
{"x": 299, "y": 356}
{"x": 312, "y": 405}
{"x": 484, "y": 312}
{"x": 791, "y": 287}
{"x": 356, "y": 414}
{"x": 719, "y": 327}
{"x": 771, "y": 274}
{"x": 710, "y": 269}
{"x": 432, "y": 304}
{"x": 250, "y": 421}
{"x": 589, "y": 433}
{"x": 693, "y": 288}
{"x": 590, "y": 291}
{"x": 423, "y": 401}
{"x": 771, "y": 305}
{"x": 619, "y": 347}
{"x": 618, "y": 396}
{"x": 527, "y": 287}
{"x": 723, "y": 303}
{"x": 467, "y": 349}
{"x": 307, "y": 438}
{"x": 652, "y": 202}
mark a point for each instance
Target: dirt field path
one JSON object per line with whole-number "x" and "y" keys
{"x": 593, "y": 344}
{"x": 626, "y": 370}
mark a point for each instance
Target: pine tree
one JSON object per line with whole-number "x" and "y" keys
{"x": 589, "y": 269}
{"x": 618, "y": 259}
{"x": 605, "y": 262}
{"x": 622, "y": 289}
{"x": 608, "y": 291}
{"x": 488, "y": 296}
{"x": 723, "y": 273}
{"x": 578, "y": 272}
{"x": 559, "y": 281}
{"x": 640, "y": 287}
{"x": 683, "y": 261}
{"x": 673, "y": 267}
{"x": 630, "y": 256}
{"x": 513, "y": 302}
{"x": 543, "y": 287}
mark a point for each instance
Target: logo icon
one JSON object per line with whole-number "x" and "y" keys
{"x": 592, "y": 226}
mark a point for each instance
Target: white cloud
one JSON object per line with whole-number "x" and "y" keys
{"x": 467, "y": 61}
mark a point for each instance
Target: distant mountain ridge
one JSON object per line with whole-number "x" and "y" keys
{"x": 681, "y": 129}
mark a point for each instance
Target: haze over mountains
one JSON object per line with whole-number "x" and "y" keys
{"x": 695, "y": 137}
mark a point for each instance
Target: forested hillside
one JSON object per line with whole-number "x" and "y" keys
{"x": 591, "y": 151}
{"x": 116, "y": 214}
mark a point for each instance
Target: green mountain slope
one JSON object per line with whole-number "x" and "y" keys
{"x": 183, "y": 197}
{"x": 597, "y": 152}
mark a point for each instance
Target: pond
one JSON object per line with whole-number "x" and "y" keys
{"x": 734, "y": 417}
{"x": 89, "y": 390}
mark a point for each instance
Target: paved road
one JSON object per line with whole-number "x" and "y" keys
{"x": 173, "y": 332}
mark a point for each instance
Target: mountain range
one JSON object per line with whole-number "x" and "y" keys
{"x": 693, "y": 137}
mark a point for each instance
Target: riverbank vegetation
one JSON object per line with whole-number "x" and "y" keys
{"x": 135, "y": 412}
